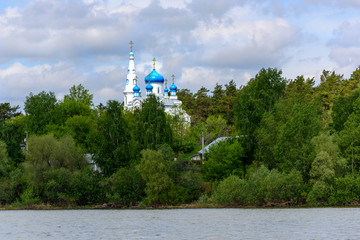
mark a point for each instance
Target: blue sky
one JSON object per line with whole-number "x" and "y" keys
{"x": 51, "y": 45}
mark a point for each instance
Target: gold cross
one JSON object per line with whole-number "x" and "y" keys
{"x": 165, "y": 82}
{"x": 154, "y": 62}
{"x": 173, "y": 78}
{"x": 131, "y": 43}
{"x": 149, "y": 78}
{"x": 135, "y": 80}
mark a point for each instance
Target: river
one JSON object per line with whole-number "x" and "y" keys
{"x": 304, "y": 223}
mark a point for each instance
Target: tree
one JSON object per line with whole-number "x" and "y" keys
{"x": 154, "y": 169}
{"x": 79, "y": 94}
{"x": 256, "y": 98}
{"x": 329, "y": 88}
{"x": 293, "y": 149}
{"x": 223, "y": 159}
{"x": 215, "y": 127}
{"x": 40, "y": 109}
{"x": 187, "y": 99}
{"x": 342, "y": 109}
{"x": 272, "y": 125}
{"x": 230, "y": 96}
{"x": 48, "y": 168}
{"x": 202, "y": 105}
{"x": 112, "y": 151}
{"x": 152, "y": 127}
{"x": 218, "y": 101}
{"x": 8, "y": 112}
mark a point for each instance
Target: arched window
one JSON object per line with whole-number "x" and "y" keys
{"x": 158, "y": 89}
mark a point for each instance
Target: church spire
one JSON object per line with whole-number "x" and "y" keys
{"x": 130, "y": 78}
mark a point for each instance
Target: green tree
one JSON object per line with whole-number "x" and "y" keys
{"x": 254, "y": 99}
{"x": 126, "y": 187}
{"x": 329, "y": 89}
{"x": 342, "y": 109}
{"x": 8, "y": 112}
{"x": 112, "y": 151}
{"x": 154, "y": 169}
{"x": 202, "y": 105}
{"x": 230, "y": 96}
{"x": 80, "y": 94}
{"x": 293, "y": 149}
{"x": 152, "y": 126}
{"x": 41, "y": 111}
{"x": 223, "y": 159}
{"x": 218, "y": 101}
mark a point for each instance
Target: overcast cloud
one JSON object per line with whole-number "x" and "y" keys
{"x": 51, "y": 45}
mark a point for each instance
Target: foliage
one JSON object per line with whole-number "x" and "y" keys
{"x": 8, "y": 112}
{"x": 152, "y": 127}
{"x": 41, "y": 111}
{"x": 232, "y": 190}
{"x": 223, "y": 160}
{"x": 155, "y": 169}
{"x": 112, "y": 151}
{"x": 126, "y": 187}
{"x": 262, "y": 187}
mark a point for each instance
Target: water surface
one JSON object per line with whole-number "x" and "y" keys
{"x": 312, "y": 223}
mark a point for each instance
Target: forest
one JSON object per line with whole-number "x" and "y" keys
{"x": 291, "y": 143}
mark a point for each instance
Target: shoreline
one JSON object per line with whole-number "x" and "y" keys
{"x": 107, "y": 206}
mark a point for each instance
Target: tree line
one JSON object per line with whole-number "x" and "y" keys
{"x": 293, "y": 142}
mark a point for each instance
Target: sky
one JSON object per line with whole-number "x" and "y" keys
{"x": 51, "y": 45}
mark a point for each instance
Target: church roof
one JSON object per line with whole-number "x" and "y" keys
{"x": 136, "y": 88}
{"x": 149, "y": 87}
{"x": 173, "y": 87}
{"x": 155, "y": 77}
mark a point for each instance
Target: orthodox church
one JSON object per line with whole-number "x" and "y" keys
{"x": 155, "y": 84}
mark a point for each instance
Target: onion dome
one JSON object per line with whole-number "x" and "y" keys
{"x": 136, "y": 88}
{"x": 166, "y": 90}
{"x": 154, "y": 77}
{"x": 173, "y": 87}
{"x": 149, "y": 87}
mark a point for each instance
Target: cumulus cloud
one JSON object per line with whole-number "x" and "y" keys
{"x": 345, "y": 46}
{"x": 245, "y": 44}
{"x": 19, "y": 80}
{"x": 54, "y": 44}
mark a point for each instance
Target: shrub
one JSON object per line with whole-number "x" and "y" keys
{"x": 232, "y": 190}
{"x": 346, "y": 190}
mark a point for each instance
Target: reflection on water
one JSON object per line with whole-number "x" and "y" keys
{"x": 313, "y": 223}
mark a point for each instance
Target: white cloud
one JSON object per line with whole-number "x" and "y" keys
{"x": 19, "y": 80}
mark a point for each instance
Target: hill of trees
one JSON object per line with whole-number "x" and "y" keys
{"x": 296, "y": 143}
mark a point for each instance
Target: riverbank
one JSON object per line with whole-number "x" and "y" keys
{"x": 182, "y": 206}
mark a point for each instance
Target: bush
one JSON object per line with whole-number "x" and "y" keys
{"x": 263, "y": 186}
{"x": 192, "y": 184}
{"x": 232, "y": 190}
{"x": 126, "y": 187}
{"x": 346, "y": 190}
{"x": 319, "y": 193}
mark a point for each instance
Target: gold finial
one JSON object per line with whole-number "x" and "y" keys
{"x": 154, "y": 63}
{"x": 165, "y": 82}
{"x": 149, "y": 78}
{"x": 135, "y": 80}
{"x": 131, "y": 43}
{"x": 173, "y": 76}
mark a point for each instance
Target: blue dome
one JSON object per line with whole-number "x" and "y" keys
{"x": 155, "y": 77}
{"x": 149, "y": 87}
{"x": 173, "y": 87}
{"x": 166, "y": 90}
{"x": 136, "y": 88}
